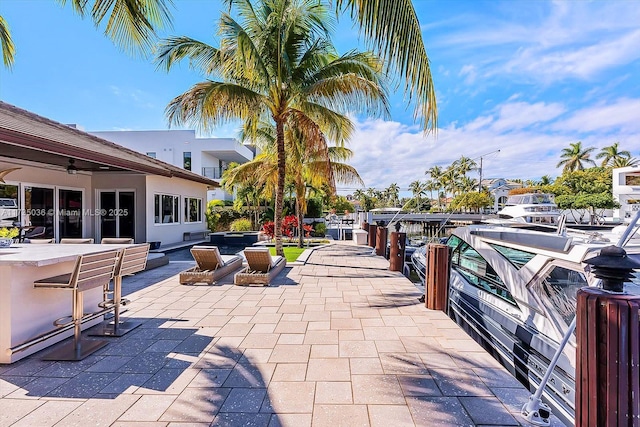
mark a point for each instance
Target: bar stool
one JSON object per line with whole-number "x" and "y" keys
{"x": 132, "y": 260}
{"x": 90, "y": 271}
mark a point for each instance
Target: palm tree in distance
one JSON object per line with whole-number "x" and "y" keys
{"x": 277, "y": 65}
{"x": 393, "y": 192}
{"x": 611, "y": 154}
{"x": 575, "y": 157}
{"x": 391, "y": 27}
{"x": 417, "y": 189}
{"x": 435, "y": 173}
{"x": 623, "y": 162}
{"x": 546, "y": 180}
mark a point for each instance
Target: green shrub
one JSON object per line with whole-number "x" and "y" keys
{"x": 216, "y": 202}
{"x": 320, "y": 229}
{"x": 241, "y": 224}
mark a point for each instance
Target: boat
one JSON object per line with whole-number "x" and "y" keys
{"x": 514, "y": 291}
{"x": 531, "y": 208}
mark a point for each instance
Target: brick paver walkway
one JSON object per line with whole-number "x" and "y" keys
{"x": 339, "y": 341}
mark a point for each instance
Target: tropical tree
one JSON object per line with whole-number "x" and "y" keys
{"x": 612, "y": 154}
{"x": 418, "y": 189}
{"x": 435, "y": 173}
{"x": 546, "y": 180}
{"x": 130, "y": 24}
{"x": 391, "y": 27}
{"x": 276, "y": 65}
{"x": 464, "y": 165}
{"x": 392, "y": 193}
{"x": 623, "y": 162}
{"x": 589, "y": 189}
{"x": 575, "y": 157}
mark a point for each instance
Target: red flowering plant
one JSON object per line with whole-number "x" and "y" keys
{"x": 289, "y": 225}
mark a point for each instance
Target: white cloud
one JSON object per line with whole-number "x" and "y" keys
{"x": 389, "y": 152}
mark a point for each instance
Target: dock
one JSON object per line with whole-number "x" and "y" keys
{"x": 337, "y": 341}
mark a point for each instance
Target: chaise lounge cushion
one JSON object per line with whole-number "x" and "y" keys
{"x": 210, "y": 265}
{"x": 261, "y": 269}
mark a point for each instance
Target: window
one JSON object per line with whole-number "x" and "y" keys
{"x": 475, "y": 269}
{"x": 516, "y": 257}
{"x": 151, "y": 154}
{"x": 186, "y": 160}
{"x": 9, "y": 210}
{"x": 166, "y": 209}
{"x": 559, "y": 288}
{"x": 192, "y": 209}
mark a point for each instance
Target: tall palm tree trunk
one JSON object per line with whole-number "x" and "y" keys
{"x": 277, "y": 216}
{"x": 300, "y": 223}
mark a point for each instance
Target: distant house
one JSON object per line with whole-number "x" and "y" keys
{"x": 626, "y": 191}
{"x": 73, "y": 184}
{"x": 499, "y": 189}
{"x": 208, "y": 157}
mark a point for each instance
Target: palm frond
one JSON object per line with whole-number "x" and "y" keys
{"x": 201, "y": 56}
{"x": 337, "y": 127}
{"x": 6, "y": 43}
{"x": 393, "y": 29}
{"x": 209, "y": 104}
{"x": 131, "y": 24}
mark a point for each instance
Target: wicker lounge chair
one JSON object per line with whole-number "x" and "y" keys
{"x": 210, "y": 266}
{"x": 262, "y": 267}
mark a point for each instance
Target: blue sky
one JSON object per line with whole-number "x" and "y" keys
{"x": 524, "y": 77}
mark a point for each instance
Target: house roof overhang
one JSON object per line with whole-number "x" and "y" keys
{"x": 27, "y": 136}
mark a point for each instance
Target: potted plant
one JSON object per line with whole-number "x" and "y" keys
{"x": 7, "y": 235}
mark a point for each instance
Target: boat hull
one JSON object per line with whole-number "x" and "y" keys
{"x": 523, "y": 351}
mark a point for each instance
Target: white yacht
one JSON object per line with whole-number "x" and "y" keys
{"x": 532, "y": 208}
{"x": 514, "y": 291}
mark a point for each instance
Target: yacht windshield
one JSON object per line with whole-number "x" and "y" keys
{"x": 516, "y": 257}
{"x": 559, "y": 289}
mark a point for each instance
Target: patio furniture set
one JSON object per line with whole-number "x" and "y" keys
{"x": 91, "y": 272}
{"x": 211, "y": 266}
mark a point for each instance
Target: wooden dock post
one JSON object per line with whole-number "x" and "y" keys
{"x": 372, "y": 235}
{"x": 608, "y": 345}
{"x": 396, "y": 252}
{"x": 381, "y": 241}
{"x": 607, "y": 359}
{"x": 437, "y": 282}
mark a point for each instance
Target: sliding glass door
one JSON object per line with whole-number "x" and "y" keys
{"x": 117, "y": 213}
{"x": 70, "y": 213}
{"x": 39, "y": 209}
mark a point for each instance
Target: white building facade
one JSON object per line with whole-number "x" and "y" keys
{"x": 626, "y": 191}
{"x": 208, "y": 157}
{"x": 499, "y": 189}
{"x": 71, "y": 184}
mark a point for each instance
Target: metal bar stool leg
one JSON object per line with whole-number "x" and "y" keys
{"x": 116, "y": 328}
{"x": 77, "y": 349}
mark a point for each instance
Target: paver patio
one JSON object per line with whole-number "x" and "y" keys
{"x": 339, "y": 341}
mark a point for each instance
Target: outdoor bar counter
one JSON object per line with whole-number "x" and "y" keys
{"x": 27, "y": 312}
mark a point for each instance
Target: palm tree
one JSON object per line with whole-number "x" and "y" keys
{"x": 392, "y": 194}
{"x": 130, "y": 24}
{"x": 464, "y": 165}
{"x": 417, "y": 189}
{"x": 611, "y": 154}
{"x": 575, "y": 157}
{"x": 623, "y": 162}
{"x": 546, "y": 180}
{"x": 435, "y": 172}
{"x": 391, "y": 27}
{"x": 277, "y": 65}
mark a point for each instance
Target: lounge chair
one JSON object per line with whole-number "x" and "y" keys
{"x": 210, "y": 266}
{"x": 261, "y": 269}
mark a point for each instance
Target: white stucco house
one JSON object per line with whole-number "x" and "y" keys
{"x": 73, "y": 184}
{"x": 626, "y": 191}
{"x": 208, "y": 157}
{"x": 499, "y": 189}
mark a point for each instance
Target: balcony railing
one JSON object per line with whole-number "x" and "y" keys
{"x": 212, "y": 173}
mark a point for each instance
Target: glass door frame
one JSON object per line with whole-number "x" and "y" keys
{"x": 99, "y": 208}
